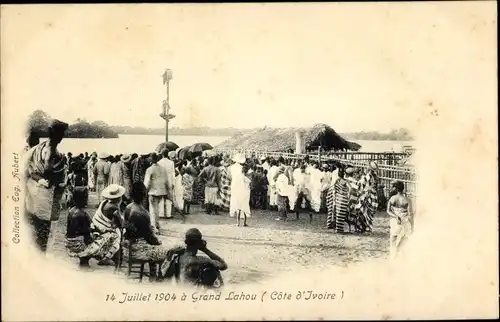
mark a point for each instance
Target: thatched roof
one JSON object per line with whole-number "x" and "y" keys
{"x": 275, "y": 139}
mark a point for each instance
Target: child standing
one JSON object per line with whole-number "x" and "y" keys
{"x": 78, "y": 235}
{"x": 187, "y": 184}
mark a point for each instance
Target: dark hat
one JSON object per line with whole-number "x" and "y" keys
{"x": 58, "y": 125}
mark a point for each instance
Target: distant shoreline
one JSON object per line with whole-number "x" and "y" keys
{"x": 226, "y": 135}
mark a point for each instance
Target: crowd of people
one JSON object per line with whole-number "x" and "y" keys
{"x": 235, "y": 184}
{"x": 136, "y": 190}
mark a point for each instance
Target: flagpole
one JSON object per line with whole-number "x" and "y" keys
{"x": 167, "y": 76}
{"x": 167, "y": 111}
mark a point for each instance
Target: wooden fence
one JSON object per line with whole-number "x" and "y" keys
{"x": 386, "y": 172}
{"x": 384, "y": 158}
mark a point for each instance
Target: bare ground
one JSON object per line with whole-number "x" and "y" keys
{"x": 265, "y": 248}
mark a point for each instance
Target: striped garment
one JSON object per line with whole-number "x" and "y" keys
{"x": 330, "y": 208}
{"x": 107, "y": 243}
{"x": 225, "y": 189}
{"x": 101, "y": 222}
{"x": 354, "y": 192}
{"x": 187, "y": 185}
{"x": 103, "y": 247}
{"x": 41, "y": 161}
{"x": 141, "y": 250}
{"x": 338, "y": 206}
{"x": 367, "y": 204}
{"x": 75, "y": 246}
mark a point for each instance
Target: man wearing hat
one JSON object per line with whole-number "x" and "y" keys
{"x": 168, "y": 166}
{"x": 101, "y": 172}
{"x": 45, "y": 183}
{"x": 107, "y": 225}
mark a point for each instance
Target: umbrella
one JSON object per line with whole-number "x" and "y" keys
{"x": 182, "y": 153}
{"x": 171, "y": 146}
{"x": 200, "y": 147}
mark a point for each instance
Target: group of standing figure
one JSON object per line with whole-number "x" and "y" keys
{"x": 235, "y": 184}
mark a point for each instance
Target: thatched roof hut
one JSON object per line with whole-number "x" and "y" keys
{"x": 279, "y": 140}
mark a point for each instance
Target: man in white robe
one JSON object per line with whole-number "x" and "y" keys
{"x": 168, "y": 166}
{"x": 240, "y": 191}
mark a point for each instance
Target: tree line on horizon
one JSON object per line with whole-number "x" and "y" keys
{"x": 39, "y": 120}
{"x": 400, "y": 134}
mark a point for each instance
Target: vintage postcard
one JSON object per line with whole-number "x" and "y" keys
{"x": 272, "y": 161}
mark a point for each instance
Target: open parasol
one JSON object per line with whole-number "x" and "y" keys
{"x": 200, "y": 147}
{"x": 171, "y": 146}
{"x": 182, "y": 153}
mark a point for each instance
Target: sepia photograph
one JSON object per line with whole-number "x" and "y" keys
{"x": 299, "y": 160}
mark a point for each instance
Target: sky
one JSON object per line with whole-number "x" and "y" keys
{"x": 354, "y": 66}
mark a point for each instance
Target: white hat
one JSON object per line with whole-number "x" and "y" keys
{"x": 104, "y": 155}
{"x": 172, "y": 155}
{"x": 113, "y": 191}
{"x": 126, "y": 157}
{"x": 262, "y": 158}
{"x": 238, "y": 158}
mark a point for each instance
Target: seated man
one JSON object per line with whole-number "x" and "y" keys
{"x": 143, "y": 242}
{"x": 189, "y": 268}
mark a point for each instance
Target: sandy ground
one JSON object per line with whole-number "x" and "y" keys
{"x": 265, "y": 248}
